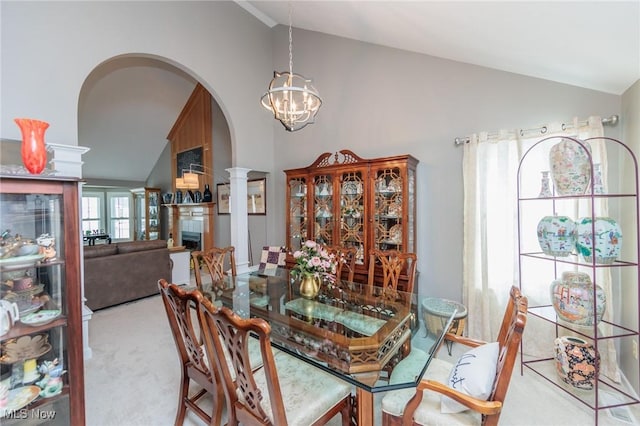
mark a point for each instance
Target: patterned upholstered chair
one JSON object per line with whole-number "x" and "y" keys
{"x": 285, "y": 391}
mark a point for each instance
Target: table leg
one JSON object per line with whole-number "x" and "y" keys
{"x": 365, "y": 407}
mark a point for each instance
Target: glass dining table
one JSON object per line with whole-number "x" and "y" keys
{"x": 349, "y": 330}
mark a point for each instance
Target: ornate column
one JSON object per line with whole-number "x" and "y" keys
{"x": 239, "y": 216}
{"x": 66, "y": 160}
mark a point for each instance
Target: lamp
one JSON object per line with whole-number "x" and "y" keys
{"x": 291, "y": 97}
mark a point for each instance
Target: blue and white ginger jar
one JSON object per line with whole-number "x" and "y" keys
{"x": 556, "y": 235}
{"x": 606, "y": 237}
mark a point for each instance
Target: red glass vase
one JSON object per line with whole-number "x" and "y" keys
{"x": 34, "y": 152}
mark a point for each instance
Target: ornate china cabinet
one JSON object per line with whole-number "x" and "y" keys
{"x": 147, "y": 213}
{"x": 41, "y": 351}
{"x": 342, "y": 199}
{"x": 582, "y": 275}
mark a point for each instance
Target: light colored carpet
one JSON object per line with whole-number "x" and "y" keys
{"x": 132, "y": 378}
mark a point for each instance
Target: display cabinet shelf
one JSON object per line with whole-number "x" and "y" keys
{"x": 147, "y": 213}
{"x": 583, "y": 204}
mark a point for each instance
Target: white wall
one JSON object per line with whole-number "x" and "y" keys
{"x": 378, "y": 101}
{"x": 628, "y": 289}
{"x": 49, "y": 49}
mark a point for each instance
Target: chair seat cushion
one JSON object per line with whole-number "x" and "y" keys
{"x": 428, "y": 412}
{"x": 307, "y": 392}
{"x": 363, "y": 324}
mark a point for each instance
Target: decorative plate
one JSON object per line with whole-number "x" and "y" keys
{"x": 20, "y": 397}
{"x": 350, "y": 188}
{"x": 395, "y": 185}
{"x": 27, "y": 292}
{"x": 395, "y": 233}
{"x": 28, "y": 307}
{"x": 395, "y": 210}
{"x": 42, "y": 317}
{"x": 25, "y": 347}
{"x": 22, "y": 261}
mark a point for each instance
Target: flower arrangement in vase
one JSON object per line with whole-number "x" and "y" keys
{"x": 313, "y": 264}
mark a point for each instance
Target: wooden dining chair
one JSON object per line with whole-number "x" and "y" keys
{"x": 346, "y": 257}
{"x": 220, "y": 262}
{"x": 286, "y": 391}
{"x": 394, "y": 264}
{"x": 179, "y": 304}
{"x": 475, "y": 394}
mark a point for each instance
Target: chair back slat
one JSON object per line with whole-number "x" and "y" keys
{"x": 394, "y": 264}
{"x": 181, "y": 310}
{"x": 178, "y": 305}
{"x": 218, "y": 261}
{"x": 509, "y": 338}
{"x": 243, "y": 395}
{"x": 346, "y": 261}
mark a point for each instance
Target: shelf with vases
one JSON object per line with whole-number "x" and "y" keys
{"x": 545, "y": 368}
{"x": 583, "y": 226}
{"x": 576, "y": 260}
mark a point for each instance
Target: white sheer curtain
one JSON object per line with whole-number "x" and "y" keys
{"x": 490, "y": 173}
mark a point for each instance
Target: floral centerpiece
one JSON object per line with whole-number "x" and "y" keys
{"x": 313, "y": 260}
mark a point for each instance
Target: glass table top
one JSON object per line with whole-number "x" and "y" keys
{"x": 350, "y": 330}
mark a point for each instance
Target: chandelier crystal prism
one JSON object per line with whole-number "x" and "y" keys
{"x": 291, "y": 97}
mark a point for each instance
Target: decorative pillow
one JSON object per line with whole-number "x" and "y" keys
{"x": 272, "y": 257}
{"x": 473, "y": 374}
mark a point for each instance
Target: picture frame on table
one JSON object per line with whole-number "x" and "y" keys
{"x": 256, "y": 197}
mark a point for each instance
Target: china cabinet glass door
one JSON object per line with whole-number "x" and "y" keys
{"x": 323, "y": 210}
{"x": 352, "y": 213}
{"x": 388, "y": 209}
{"x": 297, "y": 188}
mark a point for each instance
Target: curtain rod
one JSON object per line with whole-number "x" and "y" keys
{"x": 609, "y": 121}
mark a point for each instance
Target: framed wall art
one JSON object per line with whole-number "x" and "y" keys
{"x": 185, "y": 158}
{"x": 256, "y": 197}
{"x": 223, "y": 190}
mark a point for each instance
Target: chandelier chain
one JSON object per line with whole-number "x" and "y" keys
{"x": 290, "y": 42}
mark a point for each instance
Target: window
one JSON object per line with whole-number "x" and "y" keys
{"x": 92, "y": 212}
{"x": 120, "y": 215}
{"x": 108, "y": 211}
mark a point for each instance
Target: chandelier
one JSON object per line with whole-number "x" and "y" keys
{"x": 291, "y": 97}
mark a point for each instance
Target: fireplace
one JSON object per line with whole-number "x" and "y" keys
{"x": 192, "y": 225}
{"x": 191, "y": 240}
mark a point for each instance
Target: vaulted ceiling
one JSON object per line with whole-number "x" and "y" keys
{"x": 130, "y": 104}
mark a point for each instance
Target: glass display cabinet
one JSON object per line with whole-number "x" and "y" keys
{"x": 41, "y": 359}
{"x": 342, "y": 199}
{"x": 147, "y": 213}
